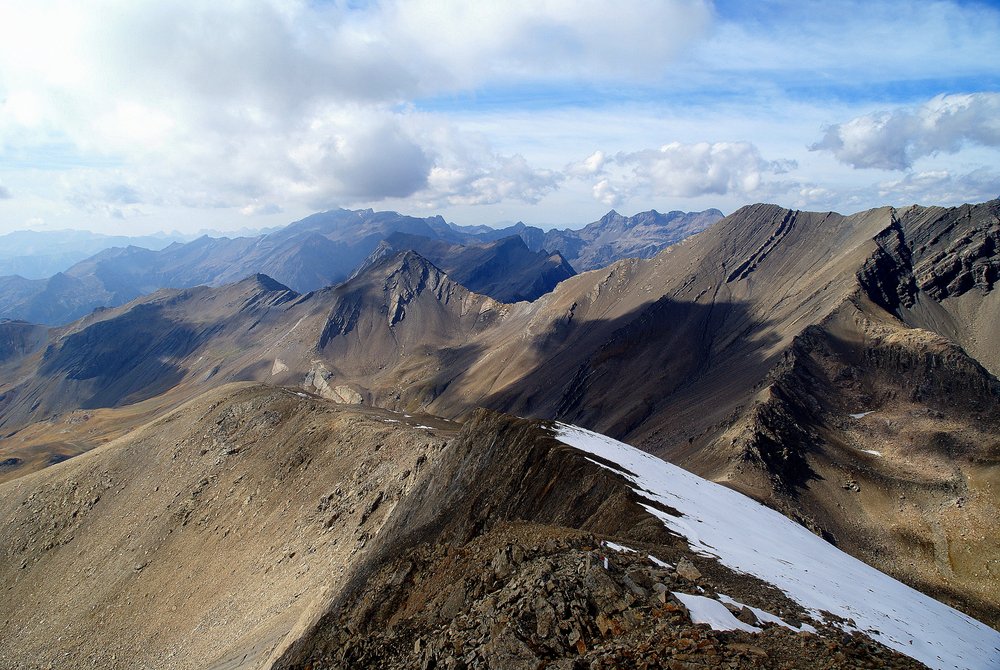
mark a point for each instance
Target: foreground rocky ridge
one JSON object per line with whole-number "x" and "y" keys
{"x": 257, "y": 527}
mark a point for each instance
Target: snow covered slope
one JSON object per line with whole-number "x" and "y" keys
{"x": 751, "y": 538}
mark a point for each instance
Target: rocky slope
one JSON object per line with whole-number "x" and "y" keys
{"x": 840, "y": 368}
{"x": 19, "y": 339}
{"x": 505, "y": 269}
{"x": 614, "y": 237}
{"x": 260, "y": 527}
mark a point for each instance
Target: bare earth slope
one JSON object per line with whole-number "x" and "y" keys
{"x": 259, "y": 527}
{"x": 206, "y": 533}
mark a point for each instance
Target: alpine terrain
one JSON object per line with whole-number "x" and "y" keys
{"x": 424, "y": 466}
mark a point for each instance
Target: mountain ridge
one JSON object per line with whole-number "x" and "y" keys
{"x": 262, "y": 527}
{"x": 743, "y": 354}
{"x": 320, "y": 250}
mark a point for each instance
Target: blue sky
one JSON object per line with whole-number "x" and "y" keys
{"x": 130, "y": 116}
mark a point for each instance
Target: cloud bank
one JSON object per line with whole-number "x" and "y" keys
{"x": 894, "y": 140}
{"x": 679, "y": 170}
{"x": 193, "y": 114}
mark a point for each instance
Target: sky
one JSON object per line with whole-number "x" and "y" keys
{"x": 132, "y": 116}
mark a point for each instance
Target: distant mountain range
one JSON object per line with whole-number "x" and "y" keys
{"x": 510, "y": 264}
{"x": 614, "y": 236}
{"x": 36, "y": 254}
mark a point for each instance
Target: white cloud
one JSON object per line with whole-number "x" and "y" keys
{"x": 605, "y": 193}
{"x": 942, "y": 187}
{"x": 894, "y": 140}
{"x": 692, "y": 170}
{"x": 220, "y": 104}
{"x": 592, "y": 165}
{"x": 358, "y": 158}
{"x": 503, "y": 178}
{"x": 207, "y": 110}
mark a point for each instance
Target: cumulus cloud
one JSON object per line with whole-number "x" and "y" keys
{"x": 592, "y": 165}
{"x": 366, "y": 160}
{"x": 606, "y": 193}
{"x": 894, "y": 140}
{"x": 686, "y": 171}
{"x": 503, "y": 178}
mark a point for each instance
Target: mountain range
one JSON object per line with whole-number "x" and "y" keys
{"x": 35, "y": 254}
{"x": 841, "y": 370}
{"x": 324, "y": 249}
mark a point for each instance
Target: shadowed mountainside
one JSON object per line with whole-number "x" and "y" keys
{"x": 505, "y": 269}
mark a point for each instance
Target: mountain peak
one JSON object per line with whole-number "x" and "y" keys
{"x": 264, "y": 282}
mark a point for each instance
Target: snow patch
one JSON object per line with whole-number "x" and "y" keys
{"x": 712, "y": 612}
{"x": 620, "y": 548}
{"x": 860, "y": 415}
{"x": 766, "y": 617}
{"x": 872, "y": 452}
{"x": 751, "y": 538}
{"x": 658, "y": 562}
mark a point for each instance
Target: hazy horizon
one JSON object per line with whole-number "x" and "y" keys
{"x": 131, "y": 118}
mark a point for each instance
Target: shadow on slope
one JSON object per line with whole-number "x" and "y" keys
{"x": 619, "y": 375}
{"x": 125, "y": 360}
